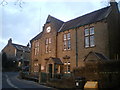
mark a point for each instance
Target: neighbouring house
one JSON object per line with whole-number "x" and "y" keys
{"x": 17, "y": 53}
{"x": 63, "y": 46}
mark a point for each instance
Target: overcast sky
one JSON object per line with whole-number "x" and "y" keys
{"x": 22, "y": 24}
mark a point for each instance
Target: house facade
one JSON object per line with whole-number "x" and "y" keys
{"x": 63, "y": 46}
{"x": 17, "y": 53}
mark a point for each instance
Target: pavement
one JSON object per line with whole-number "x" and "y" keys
{"x": 10, "y": 81}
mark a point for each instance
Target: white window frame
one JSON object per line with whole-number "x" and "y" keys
{"x": 67, "y": 41}
{"x": 88, "y": 33}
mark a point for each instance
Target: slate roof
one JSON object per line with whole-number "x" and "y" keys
{"x": 55, "y": 22}
{"x": 36, "y": 37}
{"x": 100, "y": 56}
{"x": 57, "y": 60}
{"x": 21, "y": 47}
{"x": 89, "y": 18}
{"x": 86, "y": 19}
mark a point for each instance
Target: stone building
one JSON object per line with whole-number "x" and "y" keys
{"x": 63, "y": 46}
{"x": 17, "y": 53}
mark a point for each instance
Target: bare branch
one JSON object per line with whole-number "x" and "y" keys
{"x": 19, "y": 2}
{"x": 3, "y": 3}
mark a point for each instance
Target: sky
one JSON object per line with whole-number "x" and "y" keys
{"x": 22, "y": 24}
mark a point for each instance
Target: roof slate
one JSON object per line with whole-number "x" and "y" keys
{"x": 87, "y": 19}
{"x": 57, "y": 60}
{"x": 37, "y": 37}
{"x": 100, "y": 56}
{"x": 21, "y": 47}
{"x": 54, "y": 21}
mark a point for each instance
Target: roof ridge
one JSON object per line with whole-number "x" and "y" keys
{"x": 54, "y": 18}
{"x": 19, "y": 45}
{"x": 88, "y": 18}
{"x": 88, "y": 13}
{"x": 40, "y": 33}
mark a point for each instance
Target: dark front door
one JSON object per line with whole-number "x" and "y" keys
{"x": 50, "y": 70}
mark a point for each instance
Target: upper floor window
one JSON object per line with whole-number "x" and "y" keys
{"x": 89, "y": 37}
{"x": 48, "y": 42}
{"x": 66, "y": 41}
{"x": 36, "y": 48}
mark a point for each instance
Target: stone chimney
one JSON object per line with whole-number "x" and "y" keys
{"x": 114, "y": 6}
{"x": 10, "y": 41}
{"x": 113, "y": 3}
{"x": 28, "y": 45}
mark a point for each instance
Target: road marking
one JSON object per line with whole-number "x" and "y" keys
{"x": 9, "y": 82}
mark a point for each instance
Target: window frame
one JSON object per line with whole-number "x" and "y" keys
{"x": 48, "y": 42}
{"x": 36, "y": 48}
{"x": 67, "y": 67}
{"x": 89, "y": 37}
{"x": 67, "y": 40}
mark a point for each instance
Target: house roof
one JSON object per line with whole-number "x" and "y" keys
{"x": 55, "y": 22}
{"x": 100, "y": 56}
{"x": 86, "y": 19}
{"x": 37, "y": 37}
{"x": 21, "y": 47}
{"x": 57, "y": 60}
{"x": 89, "y": 18}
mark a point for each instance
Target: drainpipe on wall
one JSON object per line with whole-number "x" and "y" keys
{"x": 76, "y": 47}
{"x": 56, "y": 45}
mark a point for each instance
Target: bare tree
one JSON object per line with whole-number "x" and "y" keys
{"x": 18, "y": 2}
{"x": 105, "y": 3}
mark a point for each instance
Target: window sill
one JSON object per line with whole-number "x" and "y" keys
{"x": 90, "y": 47}
{"x": 67, "y": 50}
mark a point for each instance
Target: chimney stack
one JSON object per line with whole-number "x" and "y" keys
{"x": 10, "y": 41}
{"x": 113, "y": 2}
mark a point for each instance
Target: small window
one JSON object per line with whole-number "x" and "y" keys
{"x": 65, "y": 45}
{"x": 65, "y": 63}
{"x": 92, "y": 31}
{"x": 69, "y": 44}
{"x": 68, "y": 36}
{"x": 46, "y": 47}
{"x": 68, "y": 63}
{"x": 86, "y": 32}
{"x": 68, "y": 68}
{"x": 65, "y": 37}
{"x": 92, "y": 43}
{"x": 49, "y": 48}
{"x": 46, "y": 41}
{"x": 49, "y": 40}
{"x": 86, "y": 41}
